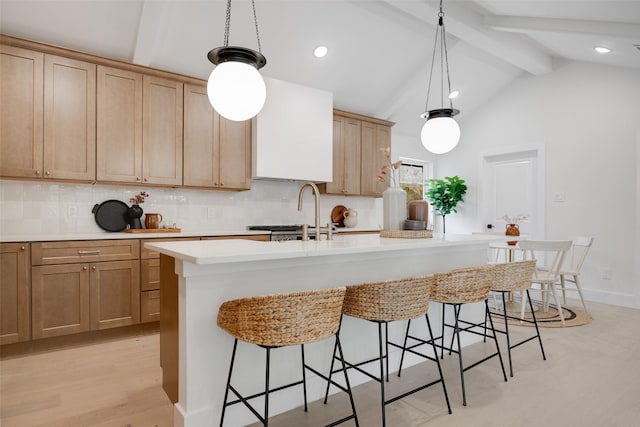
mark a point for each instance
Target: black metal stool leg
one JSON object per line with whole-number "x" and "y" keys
{"x": 304, "y": 378}
{"x": 384, "y": 420}
{"x": 266, "y": 389}
{"x": 535, "y": 322}
{"x": 386, "y": 340}
{"x": 506, "y": 331}
{"x": 226, "y": 392}
{"x": 404, "y": 347}
{"x": 435, "y": 357}
{"x": 442, "y": 334}
{"x": 346, "y": 379}
{"x": 333, "y": 359}
{"x": 495, "y": 338}
{"x": 456, "y": 335}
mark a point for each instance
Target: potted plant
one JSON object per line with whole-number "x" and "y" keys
{"x": 445, "y": 194}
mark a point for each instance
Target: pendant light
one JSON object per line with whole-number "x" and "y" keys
{"x": 236, "y": 90}
{"x": 441, "y": 133}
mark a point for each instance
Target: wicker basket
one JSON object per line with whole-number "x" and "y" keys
{"x": 463, "y": 286}
{"x": 284, "y": 319}
{"x": 407, "y": 234}
{"x": 512, "y": 276}
{"x": 389, "y": 300}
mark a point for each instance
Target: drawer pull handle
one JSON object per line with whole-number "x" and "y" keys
{"x": 88, "y": 252}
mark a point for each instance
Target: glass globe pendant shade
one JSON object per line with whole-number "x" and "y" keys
{"x": 440, "y": 135}
{"x": 236, "y": 90}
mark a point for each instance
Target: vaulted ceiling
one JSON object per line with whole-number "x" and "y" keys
{"x": 379, "y": 50}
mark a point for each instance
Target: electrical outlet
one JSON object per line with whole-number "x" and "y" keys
{"x": 558, "y": 197}
{"x": 606, "y": 273}
{"x": 72, "y": 211}
{"x": 211, "y": 212}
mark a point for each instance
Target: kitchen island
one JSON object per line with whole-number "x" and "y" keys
{"x": 198, "y": 276}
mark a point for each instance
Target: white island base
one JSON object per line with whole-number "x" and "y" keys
{"x": 195, "y": 353}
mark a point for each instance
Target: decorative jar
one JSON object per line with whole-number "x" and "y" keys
{"x": 394, "y": 204}
{"x": 512, "y": 230}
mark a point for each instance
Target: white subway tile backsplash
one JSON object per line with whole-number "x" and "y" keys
{"x": 37, "y": 208}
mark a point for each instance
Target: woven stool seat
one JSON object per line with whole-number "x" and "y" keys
{"x": 278, "y": 320}
{"x": 463, "y": 286}
{"x": 389, "y": 300}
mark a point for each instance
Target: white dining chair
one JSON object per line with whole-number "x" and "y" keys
{"x": 550, "y": 255}
{"x": 570, "y": 271}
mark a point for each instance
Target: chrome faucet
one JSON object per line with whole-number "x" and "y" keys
{"x": 316, "y": 193}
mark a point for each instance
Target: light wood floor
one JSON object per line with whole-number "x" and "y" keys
{"x": 591, "y": 378}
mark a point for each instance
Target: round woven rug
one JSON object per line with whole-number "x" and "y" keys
{"x": 550, "y": 319}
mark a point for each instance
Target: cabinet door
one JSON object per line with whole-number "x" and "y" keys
{"x": 161, "y": 131}
{"x": 15, "y": 288}
{"x": 119, "y": 125}
{"x": 201, "y": 139}
{"x": 115, "y": 294}
{"x": 339, "y": 166}
{"x": 235, "y": 154}
{"x": 59, "y": 300}
{"x": 21, "y": 112}
{"x": 374, "y": 137}
{"x": 351, "y": 136}
{"x": 69, "y": 119}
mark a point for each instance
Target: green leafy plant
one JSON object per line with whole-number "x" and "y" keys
{"x": 445, "y": 194}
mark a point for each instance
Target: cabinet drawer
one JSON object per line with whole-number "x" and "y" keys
{"x": 148, "y": 253}
{"x": 150, "y": 274}
{"x": 149, "y": 306}
{"x": 69, "y": 252}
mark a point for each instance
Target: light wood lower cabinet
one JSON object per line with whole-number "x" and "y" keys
{"x": 72, "y": 298}
{"x": 15, "y": 292}
{"x": 60, "y": 300}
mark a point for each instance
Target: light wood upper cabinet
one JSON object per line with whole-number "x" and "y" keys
{"x": 161, "y": 131}
{"x": 21, "y": 112}
{"x": 48, "y": 116}
{"x": 217, "y": 151}
{"x": 374, "y": 138}
{"x": 15, "y": 293}
{"x": 346, "y": 156}
{"x": 139, "y": 128}
{"x": 357, "y": 158}
{"x": 119, "y": 125}
{"x": 69, "y": 119}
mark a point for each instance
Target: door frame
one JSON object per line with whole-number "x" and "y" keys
{"x": 536, "y": 150}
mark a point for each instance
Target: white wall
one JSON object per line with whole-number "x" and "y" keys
{"x": 32, "y": 209}
{"x": 587, "y": 118}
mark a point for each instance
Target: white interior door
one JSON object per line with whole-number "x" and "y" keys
{"x": 513, "y": 184}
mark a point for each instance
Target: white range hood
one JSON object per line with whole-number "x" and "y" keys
{"x": 293, "y": 134}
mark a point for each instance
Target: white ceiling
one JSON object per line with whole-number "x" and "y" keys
{"x": 379, "y": 50}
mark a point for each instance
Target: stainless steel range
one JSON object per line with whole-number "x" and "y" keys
{"x": 281, "y": 232}
{"x": 286, "y": 232}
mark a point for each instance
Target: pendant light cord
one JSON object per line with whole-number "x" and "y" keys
{"x": 227, "y": 24}
{"x": 444, "y": 61}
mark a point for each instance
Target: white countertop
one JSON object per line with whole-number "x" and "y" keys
{"x": 229, "y": 251}
{"x": 105, "y": 235}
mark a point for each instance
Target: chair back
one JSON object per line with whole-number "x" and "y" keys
{"x": 512, "y": 276}
{"x": 462, "y": 286}
{"x": 577, "y": 254}
{"x": 284, "y": 319}
{"x": 549, "y": 254}
{"x": 389, "y": 300}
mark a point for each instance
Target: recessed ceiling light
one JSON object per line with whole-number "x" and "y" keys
{"x": 320, "y": 51}
{"x": 454, "y": 94}
{"x": 602, "y": 49}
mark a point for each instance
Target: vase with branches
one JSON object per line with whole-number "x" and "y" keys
{"x": 394, "y": 198}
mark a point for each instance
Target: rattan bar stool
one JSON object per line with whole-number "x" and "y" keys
{"x": 384, "y": 302}
{"x": 509, "y": 277}
{"x": 273, "y": 321}
{"x": 456, "y": 288}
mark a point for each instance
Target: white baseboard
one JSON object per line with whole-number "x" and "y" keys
{"x": 612, "y": 298}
